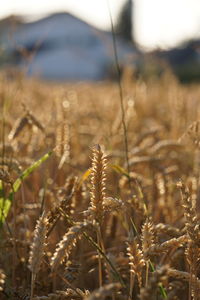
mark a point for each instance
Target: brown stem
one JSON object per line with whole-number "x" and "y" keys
{"x": 99, "y": 258}
{"x": 33, "y": 276}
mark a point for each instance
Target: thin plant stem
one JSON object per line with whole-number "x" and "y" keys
{"x": 121, "y": 96}
{"x": 190, "y": 286}
{"x": 98, "y": 248}
{"x": 33, "y": 276}
{"x": 147, "y": 273}
{"x": 99, "y": 259}
{"x": 132, "y": 281}
{"x": 118, "y": 276}
{"x": 101, "y": 244}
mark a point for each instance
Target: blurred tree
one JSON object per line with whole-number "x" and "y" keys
{"x": 124, "y": 26}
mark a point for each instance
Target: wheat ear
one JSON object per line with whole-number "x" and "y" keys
{"x": 98, "y": 197}
{"x": 192, "y": 222}
{"x": 136, "y": 262}
{"x": 37, "y": 249}
{"x": 2, "y": 279}
{"x": 148, "y": 240}
{"x": 193, "y": 230}
{"x": 20, "y": 124}
{"x": 68, "y": 241}
{"x": 167, "y": 229}
{"x": 98, "y": 183}
{"x": 167, "y": 245}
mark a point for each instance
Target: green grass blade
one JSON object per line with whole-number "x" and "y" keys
{"x": 96, "y": 246}
{"x": 84, "y": 176}
{"x": 5, "y": 203}
{"x": 120, "y": 170}
{"x": 29, "y": 170}
{"x": 161, "y": 288}
{"x": 162, "y": 291}
{"x": 1, "y": 189}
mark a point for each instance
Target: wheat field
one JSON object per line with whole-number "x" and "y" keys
{"x": 84, "y": 215}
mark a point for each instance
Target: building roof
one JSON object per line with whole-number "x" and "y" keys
{"x": 66, "y": 47}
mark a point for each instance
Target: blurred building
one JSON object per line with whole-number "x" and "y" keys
{"x": 63, "y": 47}
{"x": 184, "y": 60}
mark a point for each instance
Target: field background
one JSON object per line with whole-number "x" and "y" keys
{"x": 131, "y": 230}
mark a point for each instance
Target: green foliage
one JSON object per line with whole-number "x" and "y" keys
{"x": 5, "y": 203}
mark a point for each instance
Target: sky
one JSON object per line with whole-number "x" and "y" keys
{"x": 157, "y": 23}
